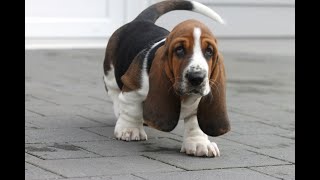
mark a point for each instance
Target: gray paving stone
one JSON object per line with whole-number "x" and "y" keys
{"x": 122, "y": 148}
{"x": 33, "y": 172}
{"x": 105, "y": 166}
{"x": 33, "y": 101}
{"x": 116, "y": 177}
{"x": 108, "y": 131}
{"x": 58, "y": 151}
{"x": 60, "y": 135}
{"x": 284, "y": 153}
{"x": 286, "y": 103}
{"x": 178, "y": 130}
{"x": 233, "y": 155}
{"x": 284, "y": 172}
{"x": 254, "y": 128}
{"x": 65, "y": 110}
{"x": 225, "y": 174}
{"x": 107, "y": 119}
{"x": 261, "y": 106}
{"x": 101, "y": 97}
{"x": 270, "y": 115}
{"x": 239, "y": 118}
{"x": 105, "y": 108}
{"x": 264, "y": 67}
{"x": 54, "y": 96}
{"x": 30, "y": 158}
{"x": 267, "y": 102}
{"x": 72, "y": 99}
{"x": 28, "y": 125}
{"x": 30, "y": 113}
{"x": 290, "y": 135}
{"x": 262, "y": 141}
{"x": 61, "y": 121}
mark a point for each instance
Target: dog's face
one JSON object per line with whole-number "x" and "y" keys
{"x": 192, "y": 52}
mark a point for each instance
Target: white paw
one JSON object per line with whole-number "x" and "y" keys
{"x": 200, "y": 147}
{"x": 130, "y": 134}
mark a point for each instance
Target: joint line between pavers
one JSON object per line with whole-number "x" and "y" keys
{"x": 105, "y": 125}
{"x": 67, "y": 141}
{"x": 271, "y": 156}
{"x": 35, "y": 155}
{"x": 259, "y": 118}
{"x": 88, "y": 150}
{"x": 264, "y": 173}
{"x": 45, "y": 169}
{"x": 239, "y": 142}
{"x": 238, "y": 167}
{"x": 36, "y": 112}
{"x": 138, "y": 176}
{"x": 93, "y": 110}
{"x": 164, "y": 162}
{"x": 45, "y": 100}
{"x": 86, "y": 129}
{"x": 284, "y": 136}
{"x": 100, "y": 99}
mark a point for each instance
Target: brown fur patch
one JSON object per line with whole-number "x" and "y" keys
{"x": 132, "y": 78}
{"x": 110, "y": 51}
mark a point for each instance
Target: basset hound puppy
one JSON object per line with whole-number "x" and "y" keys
{"x": 156, "y": 77}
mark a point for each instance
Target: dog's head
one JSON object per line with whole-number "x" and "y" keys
{"x": 191, "y": 53}
{"x": 189, "y": 64}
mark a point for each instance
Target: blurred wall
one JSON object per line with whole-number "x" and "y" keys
{"x": 89, "y": 23}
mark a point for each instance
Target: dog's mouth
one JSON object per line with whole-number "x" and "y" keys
{"x": 196, "y": 91}
{"x": 192, "y": 90}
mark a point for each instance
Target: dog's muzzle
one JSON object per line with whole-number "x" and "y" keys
{"x": 195, "y": 82}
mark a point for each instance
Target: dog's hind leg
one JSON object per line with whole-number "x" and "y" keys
{"x": 112, "y": 89}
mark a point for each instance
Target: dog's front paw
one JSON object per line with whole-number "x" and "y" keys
{"x": 130, "y": 133}
{"x": 200, "y": 147}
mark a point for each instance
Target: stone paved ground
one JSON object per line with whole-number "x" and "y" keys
{"x": 69, "y": 123}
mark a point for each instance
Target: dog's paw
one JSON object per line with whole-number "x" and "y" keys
{"x": 200, "y": 147}
{"x": 130, "y": 134}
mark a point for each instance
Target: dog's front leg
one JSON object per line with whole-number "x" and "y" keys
{"x": 195, "y": 142}
{"x": 129, "y": 125}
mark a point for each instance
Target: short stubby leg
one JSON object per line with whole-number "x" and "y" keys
{"x": 112, "y": 90}
{"x": 195, "y": 142}
{"x": 129, "y": 126}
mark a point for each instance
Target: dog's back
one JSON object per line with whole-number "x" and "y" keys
{"x": 141, "y": 33}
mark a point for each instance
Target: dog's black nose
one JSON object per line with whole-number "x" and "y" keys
{"x": 196, "y": 78}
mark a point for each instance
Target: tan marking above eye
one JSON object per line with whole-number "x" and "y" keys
{"x": 208, "y": 43}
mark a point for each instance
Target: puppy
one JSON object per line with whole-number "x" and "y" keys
{"x": 156, "y": 77}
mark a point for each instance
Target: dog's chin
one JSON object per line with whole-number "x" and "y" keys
{"x": 195, "y": 91}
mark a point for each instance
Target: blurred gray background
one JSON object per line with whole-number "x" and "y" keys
{"x": 89, "y": 24}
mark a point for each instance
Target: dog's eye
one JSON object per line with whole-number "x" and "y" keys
{"x": 208, "y": 53}
{"x": 180, "y": 51}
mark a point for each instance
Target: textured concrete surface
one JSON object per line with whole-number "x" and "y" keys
{"x": 69, "y": 122}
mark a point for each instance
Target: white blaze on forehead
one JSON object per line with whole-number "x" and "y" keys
{"x": 198, "y": 62}
{"x": 196, "y": 38}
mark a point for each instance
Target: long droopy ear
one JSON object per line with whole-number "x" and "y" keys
{"x": 161, "y": 109}
{"x": 212, "y": 111}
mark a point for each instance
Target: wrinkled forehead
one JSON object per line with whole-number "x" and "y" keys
{"x": 187, "y": 28}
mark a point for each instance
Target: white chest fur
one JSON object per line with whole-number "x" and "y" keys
{"x": 189, "y": 106}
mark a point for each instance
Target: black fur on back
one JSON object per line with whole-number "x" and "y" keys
{"x": 135, "y": 37}
{"x": 141, "y": 34}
